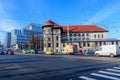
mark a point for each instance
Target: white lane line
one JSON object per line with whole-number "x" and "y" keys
{"x": 105, "y": 72}
{"x": 105, "y": 76}
{"x": 86, "y": 78}
{"x": 113, "y": 70}
{"x": 116, "y": 67}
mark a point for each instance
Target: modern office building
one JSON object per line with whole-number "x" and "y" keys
{"x": 34, "y": 29}
{"x": 18, "y": 38}
{"x": 21, "y": 36}
{"x": 7, "y": 40}
{"x": 56, "y": 37}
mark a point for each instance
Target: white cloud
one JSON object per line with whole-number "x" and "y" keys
{"x": 7, "y": 23}
{"x": 105, "y": 13}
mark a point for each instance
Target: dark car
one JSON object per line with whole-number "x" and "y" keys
{"x": 90, "y": 51}
{"x": 3, "y": 52}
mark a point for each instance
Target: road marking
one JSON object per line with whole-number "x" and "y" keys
{"x": 105, "y": 72}
{"x": 116, "y": 67}
{"x": 86, "y": 78}
{"x": 105, "y": 76}
{"x": 113, "y": 70}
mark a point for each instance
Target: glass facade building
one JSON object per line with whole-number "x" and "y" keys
{"x": 22, "y": 36}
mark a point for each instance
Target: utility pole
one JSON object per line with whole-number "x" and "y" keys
{"x": 68, "y": 35}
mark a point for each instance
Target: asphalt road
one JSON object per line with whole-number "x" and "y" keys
{"x": 58, "y": 67}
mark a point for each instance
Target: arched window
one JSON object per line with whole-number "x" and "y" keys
{"x": 94, "y": 36}
{"x": 79, "y": 35}
{"x": 102, "y": 35}
{"x": 49, "y": 31}
{"x": 98, "y": 36}
{"x": 74, "y": 34}
{"x": 87, "y": 34}
{"x": 83, "y": 34}
{"x": 70, "y": 34}
{"x": 57, "y": 38}
{"x": 57, "y": 45}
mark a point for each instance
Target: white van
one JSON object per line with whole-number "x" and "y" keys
{"x": 108, "y": 50}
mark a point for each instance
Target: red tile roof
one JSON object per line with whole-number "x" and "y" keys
{"x": 78, "y": 28}
{"x": 50, "y": 22}
{"x": 84, "y": 28}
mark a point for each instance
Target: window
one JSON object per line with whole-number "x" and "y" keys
{"x": 102, "y": 35}
{"x": 70, "y": 34}
{"x": 57, "y": 45}
{"x": 112, "y": 42}
{"x": 49, "y": 31}
{"x": 74, "y": 34}
{"x": 88, "y": 44}
{"x": 63, "y": 45}
{"x": 79, "y": 35}
{"x": 94, "y": 36}
{"x": 80, "y": 45}
{"x": 98, "y": 36}
{"x": 83, "y": 34}
{"x": 104, "y": 43}
{"x": 87, "y": 38}
{"x": 44, "y": 44}
{"x": 57, "y": 38}
{"x": 56, "y": 31}
{"x": 100, "y": 43}
{"x": 84, "y": 44}
{"x": 49, "y": 45}
{"x": 49, "y": 38}
{"x": 87, "y": 34}
{"x": 74, "y": 38}
{"x": 116, "y": 42}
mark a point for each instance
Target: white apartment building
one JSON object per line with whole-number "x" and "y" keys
{"x": 56, "y": 37}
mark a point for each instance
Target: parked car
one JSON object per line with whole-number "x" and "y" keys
{"x": 90, "y": 51}
{"x": 79, "y": 52}
{"x": 3, "y": 52}
{"x": 10, "y": 52}
{"x": 30, "y": 51}
{"x": 49, "y": 53}
{"x": 68, "y": 49}
{"x": 23, "y": 51}
{"x": 108, "y": 50}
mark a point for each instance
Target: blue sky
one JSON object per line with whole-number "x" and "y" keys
{"x": 16, "y": 14}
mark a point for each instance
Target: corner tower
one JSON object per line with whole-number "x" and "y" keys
{"x": 52, "y": 36}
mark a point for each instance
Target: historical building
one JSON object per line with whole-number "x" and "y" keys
{"x": 56, "y": 37}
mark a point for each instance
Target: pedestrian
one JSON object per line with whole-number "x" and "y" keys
{"x": 81, "y": 51}
{"x": 84, "y": 51}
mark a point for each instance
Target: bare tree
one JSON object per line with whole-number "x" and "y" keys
{"x": 36, "y": 42}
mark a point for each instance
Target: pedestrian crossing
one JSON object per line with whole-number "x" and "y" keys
{"x": 107, "y": 74}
